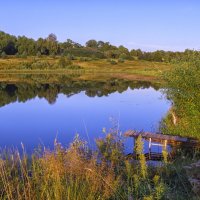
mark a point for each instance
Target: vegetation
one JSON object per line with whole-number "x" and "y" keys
{"x": 87, "y": 68}
{"x": 79, "y": 173}
{"x": 22, "y": 46}
{"x": 183, "y": 85}
{"x": 28, "y": 68}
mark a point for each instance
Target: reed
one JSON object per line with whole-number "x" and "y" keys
{"x": 77, "y": 172}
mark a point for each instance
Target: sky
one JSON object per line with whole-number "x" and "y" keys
{"x": 146, "y": 24}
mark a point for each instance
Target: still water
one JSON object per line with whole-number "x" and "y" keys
{"x": 38, "y": 118}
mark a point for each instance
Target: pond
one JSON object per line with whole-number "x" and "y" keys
{"x": 38, "y": 113}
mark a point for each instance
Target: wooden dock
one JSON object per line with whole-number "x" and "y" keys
{"x": 158, "y": 139}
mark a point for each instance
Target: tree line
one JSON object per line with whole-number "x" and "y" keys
{"x": 50, "y": 46}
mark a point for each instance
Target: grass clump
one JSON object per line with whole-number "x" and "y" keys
{"x": 77, "y": 172}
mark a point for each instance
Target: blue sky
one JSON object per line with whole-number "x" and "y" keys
{"x": 146, "y": 24}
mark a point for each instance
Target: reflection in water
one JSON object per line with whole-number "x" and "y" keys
{"x": 22, "y": 92}
{"x": 35, "y": 113}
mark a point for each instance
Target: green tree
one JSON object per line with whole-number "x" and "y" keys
{"x": 26, "y": 46}
{"x": 91, "y": 44}
{"x": 52, "y": 44}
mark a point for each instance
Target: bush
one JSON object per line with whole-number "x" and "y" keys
{"x": 121, "y": 60}
{"x": 70, "y": 57}
{"x": 85, "y": 52}
{"x": 38, "y": 54}
{"x": 113, "y": 62}
{"x": 24, "y": 55}
{"x": 85, "y": 59}
{"x": 3, "y": 55}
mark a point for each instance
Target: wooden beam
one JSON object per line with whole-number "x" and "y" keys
{"x": 161, "y": 138}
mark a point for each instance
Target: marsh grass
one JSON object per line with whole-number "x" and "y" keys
{"x": 77, "y": 172}
{"x": 92, "y": 69}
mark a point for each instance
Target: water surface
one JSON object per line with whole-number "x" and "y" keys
{"x": 32, "y": 115}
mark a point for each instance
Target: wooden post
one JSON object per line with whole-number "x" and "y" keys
{"x": 150, "y": 148}
{"x": 165, "y": 145}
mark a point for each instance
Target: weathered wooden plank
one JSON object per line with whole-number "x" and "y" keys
{"x": 161, "y": 138}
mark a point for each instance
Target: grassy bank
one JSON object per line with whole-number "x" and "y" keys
{"x": 92, "y": 69}
{"x": 183, "y": 83}
{"x": 78, "y": 173}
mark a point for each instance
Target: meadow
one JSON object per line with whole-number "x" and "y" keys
{"x": 76, "y": 171}
{"x": 89, "y": 69}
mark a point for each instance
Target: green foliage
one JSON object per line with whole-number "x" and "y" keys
{"x": 111, "y": 148}
{"x": 139, "y": 152}
{"x": 3, "y": 55}
{"x": 24, "y": 55}
{"x": 183, "y": 85}
{"x": 7, "y": 43}
{"x": 38, "y": 54}
{"x": 12, "y": 45}
{"x": 123, "y": 56}
{"x": 85, "y": 59}
{"x": 121, "y": 60}
{"x": 113, "y": 62}
{"x": 70, "y": 57}
{"x": 85, "y": 52}
{"x": 91, "y": 44}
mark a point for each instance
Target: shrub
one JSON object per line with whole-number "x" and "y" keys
{"x": 121, "y": 60}
{"x": 24, "y": 55}
{"x": 38, "y": 54}
{"x": 3, "y": 55}
{"x": 113, "y": 62}
{"x": 70, "y": 57}
{"x": 85, "y": 59}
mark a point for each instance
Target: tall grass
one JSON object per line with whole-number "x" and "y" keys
{"x": 79, "y": 173}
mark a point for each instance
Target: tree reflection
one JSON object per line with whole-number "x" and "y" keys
{"x": 44, "y": 88}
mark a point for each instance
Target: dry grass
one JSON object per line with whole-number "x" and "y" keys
{"x": 94, "y": 69}
{"x": 78, "y": 173}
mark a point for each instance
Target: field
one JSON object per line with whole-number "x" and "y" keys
{"x": 89, "y": 69}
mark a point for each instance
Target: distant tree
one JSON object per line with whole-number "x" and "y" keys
{"x": 91, "y": 44}
{"x": 100, "y": 44}
{"x": 26, "y": 45}
{"x": 124, "y": 56}
{"x": 41, "y": 46}
{"x": 123, "y": 49}
{"x": 7, "y": 43}
{"x": 52, "y": 44}
{"x": 52, "y": 37}
{"x": 112, "y": 54}
{"x": 136, "y": 53}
